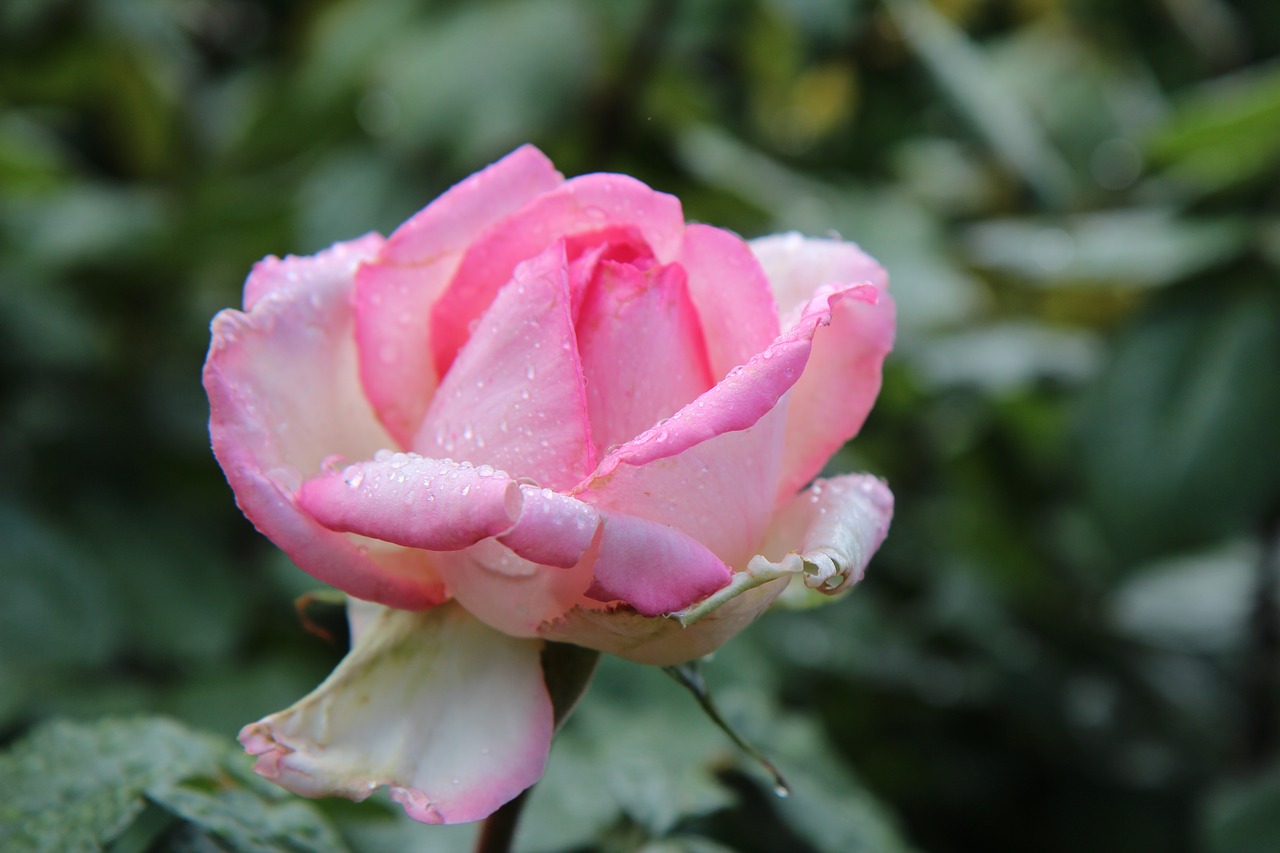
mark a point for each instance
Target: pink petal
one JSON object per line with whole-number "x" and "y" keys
{"x": 410, "y": 500}
{"x": 797, "y": 266}
{"x": 509, "y": 593}
{"x": 441, "y": 505}
{"x": 394, "y": 296}
{"x": 453, "y": 716}
{"x": 712, "y": 470}
{"x": 514, "y": 398}
{"x": 285, "y": 396}
{"x": 552, "y": 529}
{"x": 457, "y": 217}
{"x": 828, "y": 533}
{"x": 840, "y": 383}
{"x": 578, "y": 206}
{"x": 732, "y": 295}
{"x": 643, "y": 355}
{"x": 652, "y": 567}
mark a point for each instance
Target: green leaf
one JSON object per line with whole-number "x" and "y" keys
{"x": 70, "y": 787}
{"x": 961, "y": 69}
{"x": 1179, "y": 443}
{"x": 1224, "y": 134}
{"x": 267, "y": 820}
{"x": 1244, "y": 817}
{"x": 1141, "y": 247}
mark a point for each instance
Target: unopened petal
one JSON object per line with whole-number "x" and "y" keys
{"x": 514, "y": 397}
{"x": 395, "y": 294}
{"x": 580, "y": 205}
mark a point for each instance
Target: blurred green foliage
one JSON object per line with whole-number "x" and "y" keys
{"x": 1070, "y": 639}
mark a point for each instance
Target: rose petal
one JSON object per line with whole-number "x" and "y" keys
{"x": 828, "y": 533}
{"x": 738, "y": 312}
{"x": 414, "y": 501}
{"x": 284, "y": 395}
{"x": 643, "y": 355}
{"x": 394, "y": 296}
{"x": 509, "y": 593}
{"x": 580, "y": 205}
{"x": 652, "y": 567}
{"x": 796, "y": 266}
{"x": 840, "y": 383}
{"x": 514, "y": 398}
{"x": 449, "y": 713}
{"x": 712, "y": 469}
{"x": 442, "y": 505}
{"x": 553, "y": 529}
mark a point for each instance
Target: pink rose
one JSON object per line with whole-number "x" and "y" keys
{"x": 541, "y": 409}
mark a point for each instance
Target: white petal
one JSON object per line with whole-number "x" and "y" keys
{"x": 449, "y": 713}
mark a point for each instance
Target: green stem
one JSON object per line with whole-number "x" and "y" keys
{"x": 690, "y": 676}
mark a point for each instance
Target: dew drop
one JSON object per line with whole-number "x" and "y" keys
{"x": 353, "y": 476}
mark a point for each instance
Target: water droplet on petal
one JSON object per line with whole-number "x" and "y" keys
{"x": 353, "y": 476}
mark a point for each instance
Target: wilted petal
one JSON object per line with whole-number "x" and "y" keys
{"x": 828, "y": 533}
{"x": 660, "y": 642}
{"x": 450, "y": 714}
{"x": 284, "y": 396}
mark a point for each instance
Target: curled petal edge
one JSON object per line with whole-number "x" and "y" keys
{"x": 840, "y": 524}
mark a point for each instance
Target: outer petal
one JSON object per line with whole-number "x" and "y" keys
{"x": 394, "y": 296}
{"x": 797, "y": 266}
{"x": 441, "y": 505}
{"x": 732, "y": 295}
{"x": 580, "y": 205}
{"x": 284, "y": 395}
{"x": 515, "y": 397}
{"x": 449, "y": 713}
{"x": 840, "y": 383}
{"x": 654, "y": 568}
{"x": 643, "y": 355}
{"x": 829, "y": 533}
{"x": 660, "y": 642}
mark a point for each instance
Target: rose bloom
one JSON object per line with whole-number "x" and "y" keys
{"x": 540, "y": 410}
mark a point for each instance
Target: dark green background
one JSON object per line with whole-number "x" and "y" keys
{"x": 1070, "y": 640}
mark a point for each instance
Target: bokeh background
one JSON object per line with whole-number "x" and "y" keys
{"x": 1070, "y": 640}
